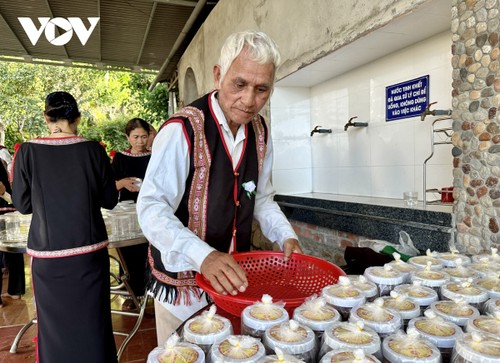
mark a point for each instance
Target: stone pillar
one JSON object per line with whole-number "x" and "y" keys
{"x": 476, "y": 123}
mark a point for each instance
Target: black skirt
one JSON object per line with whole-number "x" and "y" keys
{"x": 72, "y": 297}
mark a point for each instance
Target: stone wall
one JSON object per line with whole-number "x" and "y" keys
{"x": 476, "y": 123}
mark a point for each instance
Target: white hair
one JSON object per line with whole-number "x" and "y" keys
{"x": 260, "y": 47}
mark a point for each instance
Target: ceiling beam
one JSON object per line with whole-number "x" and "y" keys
{"x": 189, "y": 23}
{"x": 146, "y": 33}
{"x": 177, "y": 2}
{"x": 14, "y": 35}
{"x": 52, "y": 16}
{"x": 99, "y": 36}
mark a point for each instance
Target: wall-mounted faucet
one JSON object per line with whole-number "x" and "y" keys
{"x": 320, "y": 131}
{"x": 434, "y": 112}
{"x": 354, "y": 124}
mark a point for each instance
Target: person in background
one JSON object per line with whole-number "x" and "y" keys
{"x": 129, "y": 167}
{"x": 12, "y": 263}
{"x": 209, "y": 176}
{"x": 5, "y": 158}
{"x": 64, "y": 180}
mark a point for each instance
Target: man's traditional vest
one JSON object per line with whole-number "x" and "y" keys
{"x": 215, "y": 205}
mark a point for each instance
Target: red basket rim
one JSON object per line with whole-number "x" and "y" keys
{"x": 206, "y": 286}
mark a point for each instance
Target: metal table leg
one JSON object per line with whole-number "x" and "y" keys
{"x": 15, "y": 343}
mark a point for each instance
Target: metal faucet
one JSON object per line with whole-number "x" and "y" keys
{"x": 354, "y": 124}
{"x": 434, "y": 112}
{"x": 320, "y": 131}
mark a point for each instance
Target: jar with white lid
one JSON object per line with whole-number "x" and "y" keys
{"x": 456, "y": 311}
{"x": 368, "y": 288}
{"x": 424, "y": 296}
{"x": 176, "y": 351}
{"x": 441, "y": 332}
{"x": 406, "y": 307}
{"x": 346, "y": 335}
{"x": 467, "y": 290}
{"x": 256, "y": 318}
{"x": 490, "y": 283}
{"x": 485, "y": 267}
{"x": 207, "y": 329}
{"x": 343, "y": 296}
{"x": 317, "y": 315}
{"x": 385, "y": 277}
{"x": 461, "y": 272}
{"x": 381, "y": 319}
{"x": 348, "y": 356}
{"x": 237, "y": 349}
{"x": 431, "y": 278}
{"x": 449, "y": 259}
{"x": 404, "y": 267}
{"x": 476, "y": 348}
{"x": 485, "y": 324}
{"x": 280, "y": 357}
{"x": 410, "y": 347}
{"x": 493, "y": 256}
{"x": 428, "y": 260}
{"x": 292, "y": 338}
{"x": 491, "y": 305}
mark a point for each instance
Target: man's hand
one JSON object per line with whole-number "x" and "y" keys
{"x": 291, "y": 245}
{"x": 224, "y": 273}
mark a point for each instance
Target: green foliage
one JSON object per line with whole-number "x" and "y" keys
{"x": 107, "y": 100}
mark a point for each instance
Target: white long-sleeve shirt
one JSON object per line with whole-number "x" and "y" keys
{"x": 164, "y": 185}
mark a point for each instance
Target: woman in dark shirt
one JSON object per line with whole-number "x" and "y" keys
{"x": 130, "y": 167}
{"x": 64, "y": 180}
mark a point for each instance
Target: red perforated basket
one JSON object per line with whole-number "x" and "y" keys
{"x": 268, "y": 273}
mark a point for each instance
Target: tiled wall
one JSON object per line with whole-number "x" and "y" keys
{"x": 382, "y": 160}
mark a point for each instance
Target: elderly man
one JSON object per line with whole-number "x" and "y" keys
{"x": 208, "y": 178}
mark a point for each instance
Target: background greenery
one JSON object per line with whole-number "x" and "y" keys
{"x": 107, "y": 100}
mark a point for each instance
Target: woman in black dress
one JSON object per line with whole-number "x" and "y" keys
{"x": 64, "y": 180}
{"x": 130, "y": 167}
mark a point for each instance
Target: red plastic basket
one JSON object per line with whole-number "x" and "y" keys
{"x": 290, "y": 282}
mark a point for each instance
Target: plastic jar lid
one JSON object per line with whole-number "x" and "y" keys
{"x": 465, "y": 290}
{"x": 407, "y": 308}
{"x": 377, "y": 317}
{"x": 207, "y": 330}
{"x": 449, "y": 259}
{"x": 484, "y": 268}
{"x": 174, "y": 350}
{"x": 485, "y": 324}
{"x": 422, "y": 262}
{"x": 422, "y": 295}
{"x": 490, "y": 284}
{"x": 238, "y": 349}
{"x": 343, "y": 296}
{"x": 402, "y": 266}
{"x": 461, "y": 273}
{"x": 384, "y": 275}
{"x": 368, "y": 288}
{"x": 316, "y": 319}
{"x": 474, "y": 347}
{"x": 491, "y": 305}
{"x": 456, "y": 312}
{"x": 401, "y": 347}
{"x": 441, "y": 332}
{"x": 260, "y": 317}
{"x": 291, "y": 337}
{"x": 348, "y": 356}
{"x": 430, "y": 278}
{"x": 352, "y": 336}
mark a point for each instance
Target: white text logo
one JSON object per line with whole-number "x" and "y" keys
{"x": 49, "y": 26}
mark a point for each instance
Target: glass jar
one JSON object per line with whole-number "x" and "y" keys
{"x": 476, "y": 348}
{"x": 256, "y": 318}
{"x": 176, "y": 351}
{"x": 468, "y": 291}
{"x": 401, "y": 347}
{"x": 385, "y": 277}
{"x": 343, "y": 296}
{"x": 238, "y": 349}
{"x": 431, "y": 278}
{"x": 422, "y": 295}
{"x": 457, "y": 312}
{"x": 485, "y": 324}
{"x": 368, "y": 288}
{"x": 374, "y": 315}
{"x": 405, "y": 268}
{"x": 406, "y": 307}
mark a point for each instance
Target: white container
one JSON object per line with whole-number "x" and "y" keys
{"x": 256, "y": 318}
{"x": 385, "y": 277}
{"x": 411, "y": 347}
{"x": 207, "y": 329}
{"x": 424, "y": 296}
{"x": 476, "y": 348}
{"x": 485, "y": 267}
{"x": 292, "y": 338}
{"x": 460, "y": 272}
{"x": 405, "y": 268}
{"x": 493, "y": 256}
{"x": 176, "y": 351}
{"x": 491, "y": 284}
{"x": 317, "y": 315}
{"x": 345, "y": 335}
{"x": 485, "y": 324}
{"x": 428, "y": 260}
{"x": 348, "y": 356}
{"x": 368, "y": 288}
{"x": 468, "y": 291}
{"x": 280, "y": 357}
{"x": 431, "y": 278}
{"x": 374, "y": 315}
{"x": 491, "y": 305}
{"x": 406, "y": 307}
{"x": 441, "y": 332}
{"x": 237, "y": 349}
{"x": 457, "y": 312}
{"x": 343, "y": 296}
{"x": 449, "y": 259}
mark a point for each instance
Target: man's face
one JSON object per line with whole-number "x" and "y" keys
{"x": 244, "y": 90}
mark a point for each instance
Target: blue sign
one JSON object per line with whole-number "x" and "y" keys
{"x": 406, "y": 99}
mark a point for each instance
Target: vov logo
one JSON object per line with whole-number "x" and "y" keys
{"x": 49, "y": 25}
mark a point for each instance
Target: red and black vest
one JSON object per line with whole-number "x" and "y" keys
{"x": 215, "y": 206}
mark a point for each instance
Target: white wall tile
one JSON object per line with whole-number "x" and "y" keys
{"x": 290, "y": 154}
{"x": 292, "y": 181}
